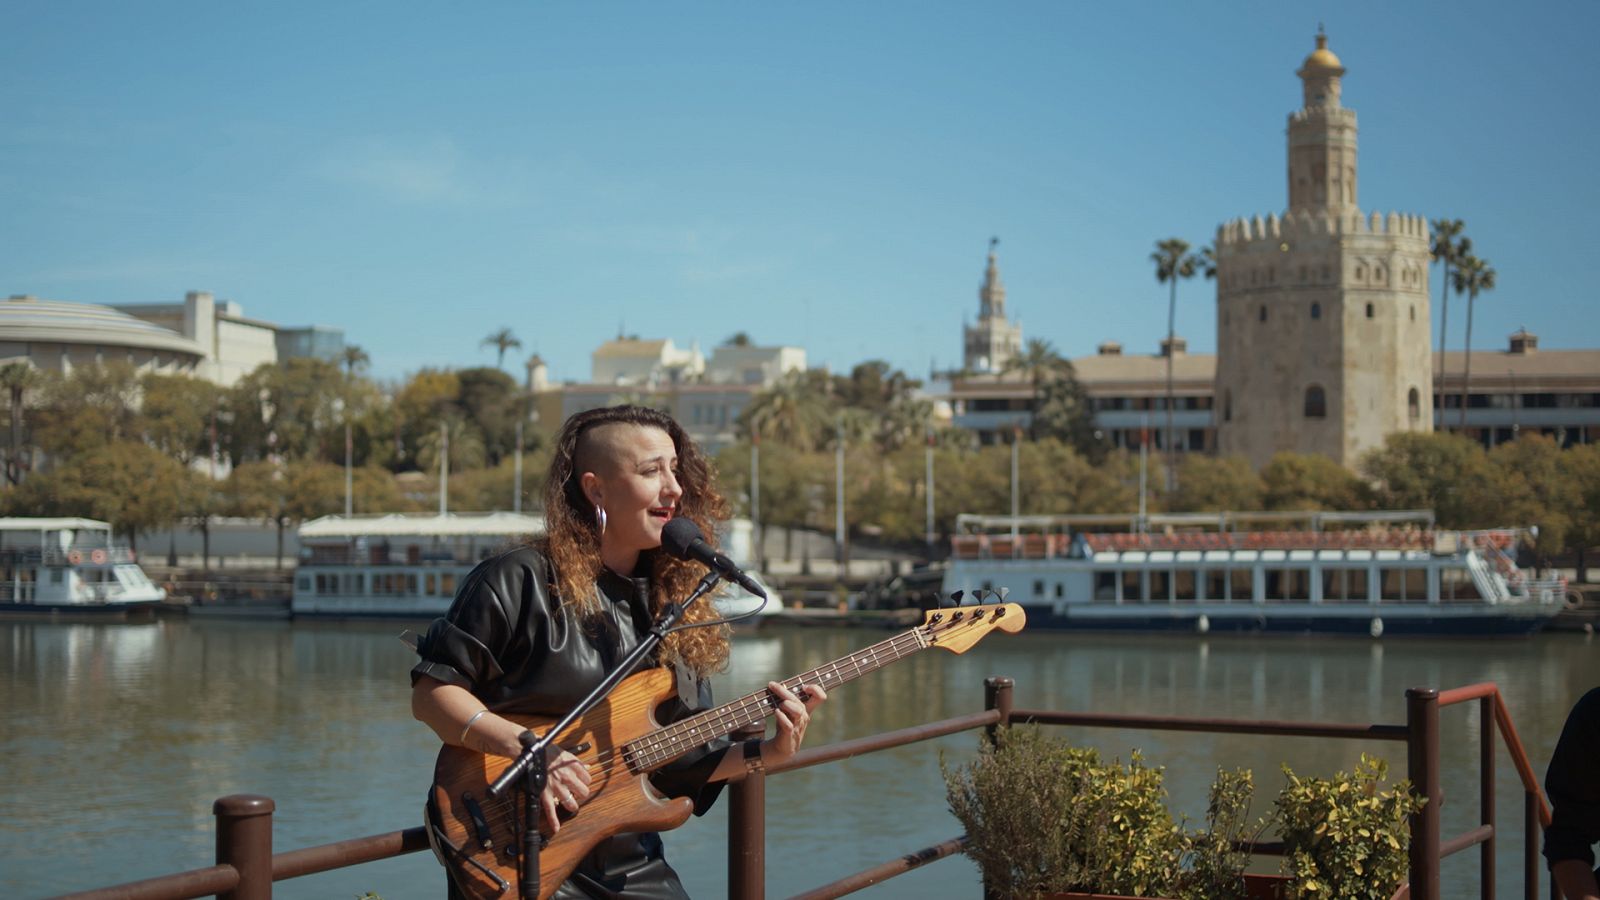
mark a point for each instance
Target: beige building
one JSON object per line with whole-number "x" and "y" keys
{"x": 1322, "y": 313}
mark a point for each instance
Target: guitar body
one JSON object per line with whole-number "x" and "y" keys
{"x": 482, "y": 835}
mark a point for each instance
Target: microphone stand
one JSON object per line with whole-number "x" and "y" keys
{"x": 533, "y": 767}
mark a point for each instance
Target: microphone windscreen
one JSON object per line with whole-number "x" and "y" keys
{"x": 678, "y": 534}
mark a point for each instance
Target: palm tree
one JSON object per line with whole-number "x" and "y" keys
{"x": 353, "y": 358}
{"x": 501, "y": 341}
{"x": 1040, "y": 362}
{"x": 1448, "y": 247}
{"x": 17, "y": 378}
{"x": 795, "y": 410}
{"x": 1472, "y": 277}
{"x": 1173, "y": 263}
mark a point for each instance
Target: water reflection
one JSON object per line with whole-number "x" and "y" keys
{"x": 117, "y": 738}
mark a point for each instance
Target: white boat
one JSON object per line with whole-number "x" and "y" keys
{"x": 1358, "y": 573}
{"x": 396, "y": 565}
{"x": 70, "y": 565}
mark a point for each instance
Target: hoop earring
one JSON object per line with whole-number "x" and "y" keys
{"x": 600, "y": 518}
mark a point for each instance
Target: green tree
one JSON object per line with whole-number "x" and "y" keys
{"x": 797, "y": 410}
{"x": 1296, "y": 481}
{"x": 1438, "y": 471}
{"x": 488, "y": 398}
{"x": 1472, "y": 277}
{"x": 465, "y": 445}
{"x": 737, "y": 339}
{"x": 1063, "y": 412}
{"x": 128, "y": 483}
{"x": 285, "y": 494}
{"x": 1216, "y": 484}
{"x": 501, "y": 340}
{"x": 1531, "y": 485}
{"x": 291, "y": 409}
{"x": 1174, "y": 263}
{"x": 18, "y": 379}
{"x": 353, "y": 358}
{"x": 1582, "y": 492}
{"x": 417, "y": 405}
{"x": 1447, "y": 246}
{"x": 177, "y": 413}
{"x": 91, "y": 407}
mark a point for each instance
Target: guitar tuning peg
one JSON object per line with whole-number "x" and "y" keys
{"x": 955, "y": 599}
{"x": 1003, "y": 592}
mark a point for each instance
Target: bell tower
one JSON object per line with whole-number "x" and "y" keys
{"x": 993, "y": 341}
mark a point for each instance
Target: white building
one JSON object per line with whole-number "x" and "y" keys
{"x": 630, "y": 361}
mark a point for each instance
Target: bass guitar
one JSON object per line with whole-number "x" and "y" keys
{"x": 621, "y": 742}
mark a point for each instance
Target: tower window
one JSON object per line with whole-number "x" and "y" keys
{"x": 1316, "y": 310}
{"x": 1227, "y": 405}
{"x": 1413, "y": 312}
{"x": 1369, "y": 310}
{"x": 1414, "y": 404}
{"x": 1263, "y": 312}
{"x": 1316, "y": 402}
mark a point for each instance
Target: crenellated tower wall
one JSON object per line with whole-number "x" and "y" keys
{"x": 1324, "y": 298}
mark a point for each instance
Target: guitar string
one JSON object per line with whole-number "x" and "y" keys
{"x": 746, "y": 710}
{"x": 752, "y": 707}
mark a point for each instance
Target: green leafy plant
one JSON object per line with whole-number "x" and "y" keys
{"x": 1042, "y": 816}
{"x": 1343, "y": 836}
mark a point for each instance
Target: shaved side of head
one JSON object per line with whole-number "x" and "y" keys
{"x": 603, "y": 448}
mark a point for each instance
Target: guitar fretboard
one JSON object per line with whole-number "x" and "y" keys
{"x": 667, "y": 744}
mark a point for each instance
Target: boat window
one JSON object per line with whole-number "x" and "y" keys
{"x": 1340, "y": 586}
{"x": 354, "y": 583}
{"x": 1391, "y": 584}
{"x": 1105, "y": 585}
{"x": 1416, "y": 585}
{"x": 1356, "y": 587}
{"x": 447, "y": 584}
{"x": 1241, "y": 585}
{"x": 430, "y": 584}
{"x": 1297, "y": 585}
{"x": 1038, "y": 587}
{"x": 55, "y": 575}
{"x": 1132, "y": 589}
{"x": 303, "y": 583}
{"x": 1183, "y": 584}
{"x": 1216, "y": 584}
{"x": 1061, "y": 590}
{"x": 1160, "y": 586}
{"x": 327, "y": 584}
{"x": 1457, "y": 585}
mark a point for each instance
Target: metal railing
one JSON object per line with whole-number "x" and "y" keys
{"x": 246, "y": 867}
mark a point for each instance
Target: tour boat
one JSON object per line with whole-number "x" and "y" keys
{"x": 409, "y": 566}
{"x": 1356, "y": 573}
{"x": 70, "y": 566}
{"x": 396, "y": 565}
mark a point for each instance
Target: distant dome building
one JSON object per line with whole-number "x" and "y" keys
{"x": 1322, "y": 314}
{"x": 59, "y": 337}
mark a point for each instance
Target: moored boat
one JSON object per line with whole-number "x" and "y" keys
{"x": 1386, "y": 573}
{"x": 70, "y": 567}
{"x": 396, "y": 565}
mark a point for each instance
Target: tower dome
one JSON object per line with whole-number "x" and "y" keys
{"x": 1322, "y": 61}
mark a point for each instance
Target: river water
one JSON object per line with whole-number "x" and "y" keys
{"x": 116, "y": 738}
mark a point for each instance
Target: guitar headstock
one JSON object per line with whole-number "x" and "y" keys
{"x": 958, "y": 628}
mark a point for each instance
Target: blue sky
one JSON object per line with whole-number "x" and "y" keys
{"x": 826, "y": 174}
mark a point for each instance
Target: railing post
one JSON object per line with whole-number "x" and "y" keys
{"x": 244, "y": 841}
{"x": 1422, "y": 764}
{"x": 747, "y": 829}
{"x": 997, "y": 695}
{"x": 1486, "y": 737}
{"x": 1531, "y": 833}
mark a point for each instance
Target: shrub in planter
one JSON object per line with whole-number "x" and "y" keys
{"x": 1343, "y": 836}
{"x": 1045, "y": 817}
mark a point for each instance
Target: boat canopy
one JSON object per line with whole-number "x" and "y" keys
{"x": 423, "y": 525}
{"x": 62, "y": 524}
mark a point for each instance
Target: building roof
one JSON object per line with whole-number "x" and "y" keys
{"x": 22, "y": 523}
{"x": 632, "y": 348}
{"x": 496, "y": 524}
{"x": 1563, "y": 369}
{"x": 29, "y": 319}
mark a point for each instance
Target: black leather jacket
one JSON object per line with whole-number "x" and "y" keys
{"x": 519, "y": 651}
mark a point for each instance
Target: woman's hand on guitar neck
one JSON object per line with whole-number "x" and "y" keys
{"x": 793, "y": 715}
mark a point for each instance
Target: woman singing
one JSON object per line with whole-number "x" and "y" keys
{"x": 535, "y": 628}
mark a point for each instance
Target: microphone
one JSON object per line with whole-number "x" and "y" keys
{"x": 682, "y": 538}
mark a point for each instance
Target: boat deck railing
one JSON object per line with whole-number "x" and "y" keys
{"x": 246, "y": 867}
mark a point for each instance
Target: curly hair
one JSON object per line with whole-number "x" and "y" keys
{"x": 572, "y": 537}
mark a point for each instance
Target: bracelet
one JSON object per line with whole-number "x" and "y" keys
{"x": 468, "y": 726}
{"x": 752, "y": 759}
